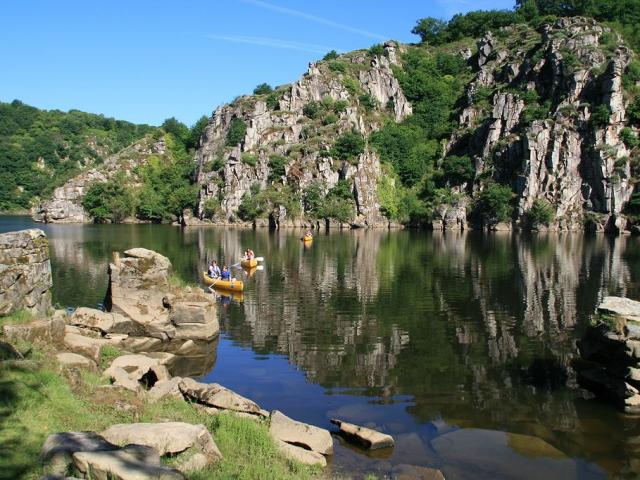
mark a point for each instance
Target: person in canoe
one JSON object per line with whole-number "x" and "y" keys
{"x": 225, "y": 274}
{"x": 249, "y": 255}
{"x": 214, "y": 270}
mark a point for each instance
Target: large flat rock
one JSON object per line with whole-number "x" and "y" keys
{"x": 165, "y": 438}
{"x": 297, "y": 433}
{"x": 620, "y": 306}
{"x": 59, "y": 447}
{"x": 121, "y": 465}
{"x": 366, "y": 437}
{"x": 216, "y": 395}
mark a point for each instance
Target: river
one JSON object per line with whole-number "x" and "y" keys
{"x": 459, "y": 345}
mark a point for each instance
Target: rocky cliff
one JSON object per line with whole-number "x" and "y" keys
{"x": 25, "y": 272}
{"x": 65, "y": 205}
{"x": 284, "y": 124}
{"x": 540, "y": 112}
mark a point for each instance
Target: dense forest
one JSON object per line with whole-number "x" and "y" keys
{"x": 41, "y": 149}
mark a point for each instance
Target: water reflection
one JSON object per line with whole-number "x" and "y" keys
{"x": 419, "y": 334}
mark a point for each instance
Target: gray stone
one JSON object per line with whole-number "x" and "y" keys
{"x": 49, "y": 330}
{"x": 165, "y": 388}
{"x": 86, "y": 346}
{"x": 68, "y": 359}
{"x": 216, "y": 395}
{"x": 299, "y": 454}
{"x": 128, "y": 370}
{"x": 291, "y": 431}
{"x": 620, "y": 306}
{"x": 59, "y": 447}
{"x": 366, "y": 437}
{"x": 120, "y": 465}
{"x": 103, "y": 321}
{"x": 165, "y": 438}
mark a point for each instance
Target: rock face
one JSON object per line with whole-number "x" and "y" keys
{"x": 282, "y": 128}
{"x": 25, "y": 272}
{"x": 65, "y": 205}
{"x": 139, "y": 292}
{"x": 611, "y": 354}
{"x": 560, "y": 153}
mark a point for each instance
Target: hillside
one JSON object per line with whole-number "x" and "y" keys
{"x": 533, "y": 124}
{"x": 42, "y": 149}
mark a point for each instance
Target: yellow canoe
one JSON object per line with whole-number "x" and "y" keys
{"x": 230, "y": 285}
{"x": 249, "y": 263}
{"x": 307, "y": 239}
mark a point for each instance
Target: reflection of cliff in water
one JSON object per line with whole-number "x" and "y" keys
{"x": 478, "y": 330}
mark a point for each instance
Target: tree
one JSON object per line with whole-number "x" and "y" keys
{"x": 176, "y": 128}
{"x": 196, "y": 132}
{"x": 348, "y": 146}
{"x": 237, "y": 131}
{"x": 332, "y": 55}
{"x": 541, "y": 212}
{"x": 429, "y": 30}
{"x": 458, "y": 170}
{"x": 494, "y": 203}
{"x": 262, "y": 89}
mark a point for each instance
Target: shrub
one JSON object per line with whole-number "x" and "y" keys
{"x": 376, "y": 50}
{"x": 337, "y": 66}
{"x": 331, "y": 55}
{"x": 541, "y": 212}
{"x": 277, "y": 164}
{"x": 273, "y": 100}
{"x": 600, "y": 116}
{"x": 237, "y": 131}
{"x": 458, "y": 170}
{"x": 348, "y": 146}
{"x": 110, "y": 201}
{"x": 340, "y": 106}
{"x": 534, "y": 112}
{"x": 351, "y": 85}
{"x": 329, "y": 119}
{"x": 249, "y": 159}
{"x": 367, "y": 101}
{"x": 262, "y": 89}
{"x": 211, "y": 207}
{"x": 311, "y": 109}
{"x": 250, "y": 207}
{"x": 388, "y": 196}
{"x": 494, "y": 203}
{"x": 629, "y": 137}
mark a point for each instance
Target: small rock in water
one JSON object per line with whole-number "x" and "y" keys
{"x": 370, "y": 439}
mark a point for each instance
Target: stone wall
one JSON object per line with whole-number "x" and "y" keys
{"x": 25, "y": 272}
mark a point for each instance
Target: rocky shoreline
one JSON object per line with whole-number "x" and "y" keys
{"x": 154, "y": 336}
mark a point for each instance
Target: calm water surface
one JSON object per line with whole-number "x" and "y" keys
{"x": 459, "y": 345}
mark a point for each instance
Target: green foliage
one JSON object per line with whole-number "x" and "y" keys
{"x": 41, "y": 149}
{"x": 331, "y": 55}
{"x": 110, "y": 201}
{"x": 108, "y": 353}
{"x": 473, "y": 24}
{"x": 600, "y": 115}
{"x": 257, "y": 203}
{"x": 376, "y": 50}
{"x": 389, "y": 196}
{"x": 249, "y": 158}
{"x": 312, "y": 109}
{"x": 176, "y": 128}
{"x": 237, "y": 131}
{"x": 494, "y": 203}
{"x": 262, "y": 89}
{"x": 167, "y": 184}
{"x": 337, "y": 66}
{"x": 535, "y": 112}
{"x": 250, "y": 207}
{"x": 276, "y": 165}
{"x": 196, "y": 132}
{"x": 634, "y": 112}
{"x": 340, "y": 106}
{"x": 351, "y": 85}
{"x": 541, "y": 212}
{"x": 348, "y": 146}
{"x": 367, "y": 101}
{"x": 458, "y": 170}
{"x": 273, "y": 100}
{"x": 16, "y": 318}
{"x": 211, "y": 207}
{"x": 329, "y": 119}
{"x": 338, "y": 203}
{"x": 629, "y": 137}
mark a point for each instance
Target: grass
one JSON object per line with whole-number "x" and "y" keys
{"x": 16, "y": 318}
{"x": 108, "y": 353}
{"x": 37, "y": 399}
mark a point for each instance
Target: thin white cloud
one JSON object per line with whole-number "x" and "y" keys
{"x": 315, "y": 18}
{"x": 272, "y": 42}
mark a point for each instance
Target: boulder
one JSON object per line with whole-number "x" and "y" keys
{"x": 165, "y": 388}
{"x": 129, "y": 371}
{"x": 290, "y": 431}
{"x": 69, "y": 360}
{"x": 415, "y": 472}
{"x": 86, "y": 346}
{"x": 50, "y": 330}
{"x": 620, "y": 306}
{"x": 299, "y": 454}
{"x": 166, "y": 438}
{"x": 59, "y": 447}
{"x": 9, "y": 352}
{"x": 25, "y": 272}
{"x": 370, "y": 439}
{"x": 121, "y": 465}
{"x": 105, "y": 322}
{"x": 141, "y": 344}
{"x": 217, "y": 396}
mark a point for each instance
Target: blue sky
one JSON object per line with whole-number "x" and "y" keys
{"x": 144, "y": 61}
